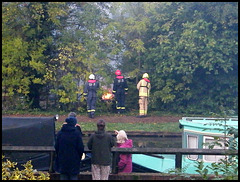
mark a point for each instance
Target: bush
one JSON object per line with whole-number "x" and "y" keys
{"x": 10, "y": 172}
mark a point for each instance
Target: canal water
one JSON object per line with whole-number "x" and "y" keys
{"x": 147, "y": 142}
{"x": 157, "y": 142}
{"x": 151, "y": 142}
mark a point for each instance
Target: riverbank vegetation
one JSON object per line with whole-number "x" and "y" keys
{"x": 189, "y": 49}
{"x": 11, "y": 172}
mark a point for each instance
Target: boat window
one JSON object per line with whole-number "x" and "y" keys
{"x": 210, "y": 141}
{"x": 192, "y": 143}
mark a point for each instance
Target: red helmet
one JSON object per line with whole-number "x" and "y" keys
{"x": 118, "y": 72}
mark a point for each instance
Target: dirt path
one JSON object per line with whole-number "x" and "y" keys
{"x": 131, "y": 119}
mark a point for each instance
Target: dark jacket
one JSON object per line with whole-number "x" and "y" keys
{"x": 69, "y": 149}
{"x": 90, "y": 88}
{"x": 120, "y": 85}
{"x": 101, "y": 143}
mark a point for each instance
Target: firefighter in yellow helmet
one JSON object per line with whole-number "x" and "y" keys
{"x": 144, "y": 87}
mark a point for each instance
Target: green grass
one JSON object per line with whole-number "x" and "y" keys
{"x": 147, "y": 127}
{"x": 91, "y": 126}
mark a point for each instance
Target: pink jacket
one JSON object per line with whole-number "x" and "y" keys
{"x": 125, "y": 162}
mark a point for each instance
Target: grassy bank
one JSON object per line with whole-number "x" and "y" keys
{"x": 148, "y": 127}
{"x": 91, "y": 126}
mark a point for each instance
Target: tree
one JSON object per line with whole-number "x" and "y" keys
{"x": 196, "y": 55}
{"x": 133, "y": 24}
{"x": 27, "y": 43}
{"x": 190, "y": 49}
{"x": 84, "y": 47}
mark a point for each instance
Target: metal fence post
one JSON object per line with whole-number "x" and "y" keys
{"x": 178, "y": 160}
{"x": 115, "y": 162}
{"x": 52, "y": 155}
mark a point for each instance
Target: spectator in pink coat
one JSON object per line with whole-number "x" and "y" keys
{"x": 125, "y": 161}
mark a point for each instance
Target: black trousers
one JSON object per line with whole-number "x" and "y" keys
{"x": 120, "y": 101}
{"x": 68, "y": 177}
{"x": 91, "y": 103}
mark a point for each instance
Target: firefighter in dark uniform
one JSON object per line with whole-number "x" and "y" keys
{"x": 90, "y": 91}
{"x": 120, "y": 88}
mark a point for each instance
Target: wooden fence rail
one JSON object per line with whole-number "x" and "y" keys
{"x": 116, "y": 151}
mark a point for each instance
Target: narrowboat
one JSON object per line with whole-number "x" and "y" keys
{"x": 199, "y": 133}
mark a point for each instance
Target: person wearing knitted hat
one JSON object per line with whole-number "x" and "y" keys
{"x": 125, "y": 160}
{"x": 69, "y": 150}
{"x": 74, "y": 115}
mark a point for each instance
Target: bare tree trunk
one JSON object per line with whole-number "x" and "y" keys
{"x": 139, "y": 66}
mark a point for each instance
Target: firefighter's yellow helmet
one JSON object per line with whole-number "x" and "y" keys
{"x": 145, "y": 75}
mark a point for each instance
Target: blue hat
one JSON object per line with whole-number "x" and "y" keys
{"x": 71, "y": 120}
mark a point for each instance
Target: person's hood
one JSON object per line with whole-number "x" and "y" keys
{"x": 100, "y": 134}
{"x": 71, "y": 121}
{"x": 128, "y": 144}
{"x": 68, "y": 128}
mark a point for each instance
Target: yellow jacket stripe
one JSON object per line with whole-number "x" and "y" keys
{"x": 93, "y": 110}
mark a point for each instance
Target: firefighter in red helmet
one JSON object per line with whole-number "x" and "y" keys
{"x": 120, "y": 88}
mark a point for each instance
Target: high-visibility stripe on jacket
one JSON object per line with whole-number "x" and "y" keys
{"x": 144, "y": 88}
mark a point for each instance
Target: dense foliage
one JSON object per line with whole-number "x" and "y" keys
{"x": 189, "y": 49}
{"x": 11, "y": 172}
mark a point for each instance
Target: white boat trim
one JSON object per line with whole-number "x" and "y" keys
{"x": 207, "y": 133}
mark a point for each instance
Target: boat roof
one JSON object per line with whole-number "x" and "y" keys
{"x": 208, "y": 124}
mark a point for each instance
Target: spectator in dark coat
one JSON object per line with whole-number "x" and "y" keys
{"x": 69, "y": 150}
{"x": 101, "y": 143}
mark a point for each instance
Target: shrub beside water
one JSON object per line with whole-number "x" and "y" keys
{"x": 11, "y": 172}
